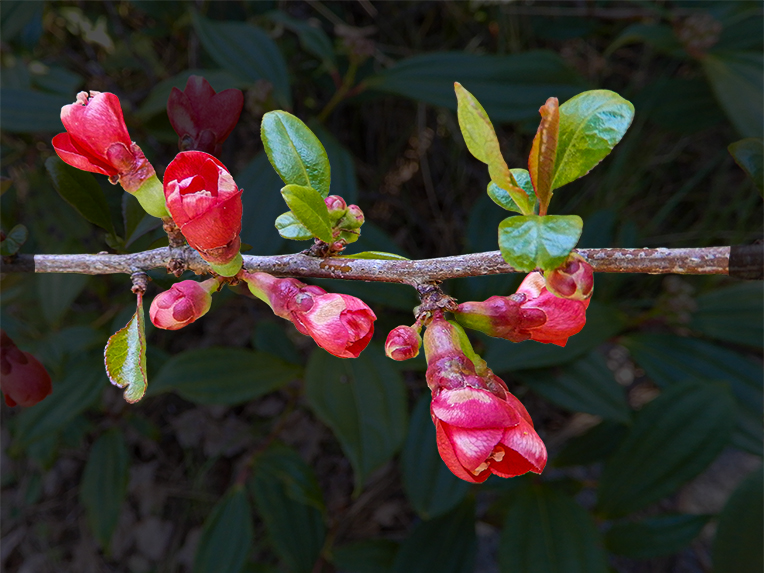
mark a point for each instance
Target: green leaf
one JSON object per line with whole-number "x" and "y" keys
{"x": 363, "y": 401}
{"x": 271, "y": 338}
{"x": 586, "y": 385}
{"x": 592, "y": 446}
{"x": 196, "y": 375}
{"x": 156, "y": 101}
{"x": 290, "y": 227}
{"x": 502, "y": 197}
{"x": 227, "y": 535}
{"x": 446, "y": 544}
{"x": 749, "y": 155}
{"x": 530, "y": 241}
{"x": 546, "y": 531}
{"x": 731, "y": 314}
{"x": 247, "y": 52}
{"x": 261, "y": 205}
{"x": 308, "y": 206}
{"x": 737, "y": 546}
{"x": 27, "y": 111}
{"x": 430, "y": 486}
{"x": 373, "y": 255}
{"x": 125, "y": 357}
{"x": 654, "y": 536}
{"x": 366, "y": 556}
{"x": 57, "y": 292}
{"x": 673, "y": 439}
{"x": 103, "y": 488}
{"x": 313, "y": 39}
{"x": 290, "y": 503}
{"x": 669, "y": 359}
{"x": 736, "y": 79}
{"x": 81, "y": 190}
{"x": 295, "y": 152}
{"x": 659, "y": 36}
{"x": 683, "y": 105}
{"x": 14, "y": 240}
{"x": 17, "y": 15}
{"x": 591, "y": 124}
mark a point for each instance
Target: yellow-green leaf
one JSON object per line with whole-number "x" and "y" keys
{"x": 125, "y": 356}
{"x": 308, "y": 206}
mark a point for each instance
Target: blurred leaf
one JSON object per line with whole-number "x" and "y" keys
{"x": 15, "y": 16}
{"x": 262, "y": 204}
{"x": 591, "y": 124}
{"x": 308, "y": 206}
{"x": 103, "y": 488}
{"x": 312, "y": 38}
{"x": 69, "y": 341}
{"x": 659, "y": 36}
{"x": 679, "y": 104}
{"x": 57, "y": 80}
{"x": 430, "y": 486}
{"x": 125, "y": 357}
{"x": 57, "y": 292}
{"x": 363, "y": 401}
{"x": 14, "y": 240}
{"x": 736, "y": 78}
{"x": 586, "y": 385}
{"x": 749, "y": 155}
{"x": 530, "y": 241}
{"x": 81, "y": 190}
{"x": 602, "y": 323}
{"x": 366, "y": 556}
{"x": 545, "y": 530}
{"x": 373, "y": 255}
{"x": 654, "y": 536}
{"x": 510, "y": 88}
{"x": 446, "y": 544}
{"x": 196, "y": 375}
{"x": 592, "y": 446}
{"x": 669, "y": 359}
{"x": 737, "y": 547}
{"x": 247, "y": 52}
{"x": 295, "y": 152}
{"x": 271, "y": 338}
{"x": 344, "y": 181}
{"x": 731, "y": 314}
{"x": 290, "y": 227}
{"x": 290, "y": 503}
{"x": 27, "y": 111}
{"x": 227, "y": 535}
{"x": 673, "y": 439}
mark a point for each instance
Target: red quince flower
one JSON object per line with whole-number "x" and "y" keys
{"x": 202, "y": 118}
{"x": 184, "y": 303}
{"x": 574, "y": 279}
{"x": 205, "y": 203}
{"x": 403, "y": 342}
{"x": 24, "y": 381}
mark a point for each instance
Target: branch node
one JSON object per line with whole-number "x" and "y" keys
{"x": 140, "y": 282}
{"x": 433, "y": 300}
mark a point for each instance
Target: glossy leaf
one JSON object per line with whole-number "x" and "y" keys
{"x": 446, "y": 544}
{"x": 673, "y": 439}
{"x": 363, "y": 401}
{"x": 654, "y": 536}
{"x": 591, "y": 124}
{"x": 14, "y": 240}
{"x": 295, "y": 152}
{"x": 731, "y": 314}
{"x": 366, "y": 556}
{"x": 502, "y": 197}
{"x": 530, "y": 241}
{"x": 81, "y": 190}
{"x": 309, "y": 208}
{"x": 103, "y": 488}
{"x": 290, "y": 227}
{"x": 749, "y": 155}
{"x": 57, "y": 292}
{"x": 196, "y": 375}
{"x": 736, "y": 78}
{"x": 373, "y": 255}
{"x": 125, "y": 356}
{"x": 246, "y": 51}
{"x": 27, "y": 111}
{"x": 546, "y": 531}
{"x": 430, "y": 486}
{"x": 227, "y": 535}
{"x": 312, "y": 38}
{"x": 737, "y": 546}
{"x": 262, "y": 203}
{"x": 594, "y": 445}
{"x": 541, "y": 162}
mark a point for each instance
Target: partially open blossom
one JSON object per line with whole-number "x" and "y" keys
{"x": 23, "y": 380}
{"x": 184, "y": 303}
{"x": 574, "y": 279}
{"x": 481, "y": 428}
{"x": 403, "y": 342}
{"x": 202, "y": 118}
{"x": 340, "y": 324}
{"x": 532, "y": 313}
{"x": 97, "y": 140}
{"x": 205, "y": 203}
{"x": 336, "y": 206}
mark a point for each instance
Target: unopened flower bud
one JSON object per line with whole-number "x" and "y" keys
{"x": 23, "y": 380}
{"x": 184, "y": 303}
{"x": 353, "y": 218}
{"x": 403, "y": 343}
{"x": 336, "y": 206}
{"x": 573, "y": 280}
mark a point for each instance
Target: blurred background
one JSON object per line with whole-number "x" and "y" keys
{"x": 254, "y": 450}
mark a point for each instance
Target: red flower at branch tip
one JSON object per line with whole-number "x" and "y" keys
{"x": 23, "y": 380}
{"x": 202, "y": 118}
{"x": 205, "y": 203}
{"x": 184, "y": 303}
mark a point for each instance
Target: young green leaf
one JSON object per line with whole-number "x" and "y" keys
{"x": 290, "y": 227}
{"x": 530, "y": 241}
{"x": 502, "y": 197}
{"x": 125, "y": 356}
{"x": 13, "y": 241}
{"x": 591, "y": 124}
{"x": 309, "y": 208}
{"x": 295, "y": 152}
{"x": 543, "y": 152}
{"x": 749, "y": 155}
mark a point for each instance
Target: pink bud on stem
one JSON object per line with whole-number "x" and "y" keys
{"x": 183, "y": 304}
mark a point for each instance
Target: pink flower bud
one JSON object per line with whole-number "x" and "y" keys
{"x": 184, "y": 303}
{"x": 353, "y": 218}
{"x": 24, "y": 381}
{"x": 481, "y": 427}
{"x": 205, "y": 203}
{"x": 573, "y": 280}
{"x": 336, "y": 206}
{"x": 97, "y": 140}
{"x": 202, "y": 118}
{"x": 403, "y": 343}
